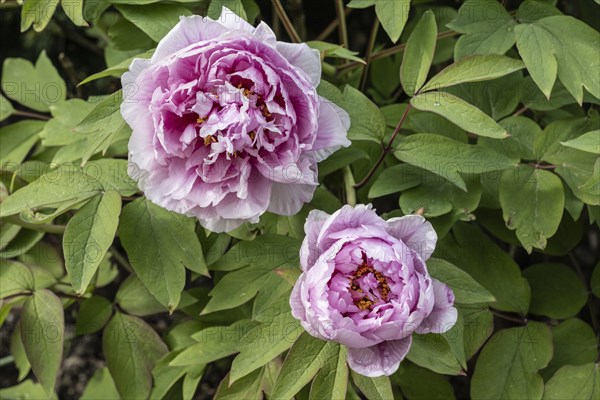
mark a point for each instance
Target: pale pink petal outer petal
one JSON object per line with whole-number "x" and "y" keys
{"x": 309, "y": 252}
{"x": 381, "y": 359}
{"x": 443, "y": 316}
{"x": 415, "y": 232}
{"x": 288, "y": 199}
{"x": 334, "y": 123}
{"x": 304, "y": 58}
{"x": 195, "y": 29}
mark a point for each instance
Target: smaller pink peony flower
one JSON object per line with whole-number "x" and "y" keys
{"x": 365, "y": 285}
{"x": 227, "y": 123}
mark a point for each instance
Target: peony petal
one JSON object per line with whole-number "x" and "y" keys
{"x": 443, "y": 316}
{"x": 309, "y": 252}
{"x": 298, "y": 310}
{"x": 382, "y": 359}
{"x": 304, "y": 58}
{"x": 333, "y": 129}
{"x": 415, "y": 232}
{"x": 288, "y": 199}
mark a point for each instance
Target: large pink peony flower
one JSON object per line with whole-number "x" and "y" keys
{"x": 227, "y": 123}
{"x": 365, "y": 285}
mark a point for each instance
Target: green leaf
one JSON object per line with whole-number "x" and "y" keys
{"x": 131, "y": 348}
{"x": 134, "y": 298}
{"x": 486, "y": 26}
{"x": 6, "y": 108}
{"x": 558, "y": 45}
{"x": 508, "y": 365}
{"x": 63, "y": 186}
{"x": 532, "y": 203}
{"x": 266, "y": 251}
{"x": 236, "y": 6}
{"x": 474, "y": 69}
{"x": 367, "y": 121}
{"x": 16, "y": 278}
{"x": 556, "y": 290}
{"x": 38, "y": 13}
{"x": 588, "y": 142}
{"x": 447, "y": 158}
{"x": 66, "y": 115}
{"x": 418, "y": 54}
{"x": 96, "y": 132}
{"x": 25, "y": 390}
{"x": 396, "y": 179}
{"x": 341, "y": 158}
{"x": 42, "y": 330}
{"x": 74, "y": 10}
{"x": 459, "y": 112}
{"x": 17, "y": 350}
{"x": 156, "y": 20}
{"x": 16, "y": 141}
{"x": 36, "y": 87}
{"x": 88, "y": 236}
{"x": 116, "y": 70}
{"x": 94, "y": 313}
{"x": 248, "y": 387}
{"x": 159, "y": 244}
{"x": 301, "y": 364}
{"x": 466, "y": 289}
{"x": 393, "y": 15}
{"x": 494, "y": 269}
{"x": 100, "y": 386}
{"x": 478, "y": 326}
{"x": 379, "y": 388}
{"x": 422, "y": 384}
{"x": 213, "y": 343}
{"x": 433, "y": 352}
{"x": 165, "y": 376}
{"x": 574, "y": 343}
{"x": 574, "y": 382}
{"x": 331, "y": 382}
{"x": 334, "y": 51}
{"x": 520, "y": 145}
{"x": 497, "y": 98}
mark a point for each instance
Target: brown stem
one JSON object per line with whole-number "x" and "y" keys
{"x": 285, "y": 20}
{"x": 30, "y": 115}
{"x": 13, "y": 296}
{"x": 332, "y": 26}
{"x": 519, "y": 320}
{"x": 520, "y": 111}
{"x": 385, "y": 149}
{"x": 368, "y": 53}
{"x": 391, "y": 50}
{"x": 342, "y": 30}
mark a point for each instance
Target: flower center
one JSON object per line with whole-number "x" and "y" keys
{"x": 368, "y": 286}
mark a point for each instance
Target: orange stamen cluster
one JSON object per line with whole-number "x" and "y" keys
{"x": 365, "y": 302}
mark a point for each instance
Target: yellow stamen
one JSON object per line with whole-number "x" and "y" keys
{"x": 209, "y": 139}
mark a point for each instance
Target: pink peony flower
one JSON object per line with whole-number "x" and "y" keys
{"x": 365, "y": 285}
{"x": 227, "y": 123}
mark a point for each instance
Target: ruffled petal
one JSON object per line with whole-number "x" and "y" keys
{"x": 415, "y": 232}
{"x": 382, "y": 359}
{"x": 304, "y": 58}
{"x": 443, "y": 316}
{"x": 309, "y": 252}
{"x": 288, "y": 199}
{"x": 333, "y": 129}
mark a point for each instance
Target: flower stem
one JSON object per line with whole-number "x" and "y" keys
{"x": 332, "y": 26}
{"x": 349, "y": 184}
{"x": 285, "y": 20}
{"x": 384, "y": 150}
{"x": 49, "y": 228}
{"x": 21, "y": 113}
{"x": 390, "y": 51}
{"x": 341, "y": 16}
{"x": 368, "y": 53}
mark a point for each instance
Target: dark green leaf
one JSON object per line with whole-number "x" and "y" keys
{"x": 156, "y": 20}
{"x": 94, "y": 313}
{"x": 131, "y": 348}
{"x": 465, "y": 288}
{"x": 556, "y": 290}
{"x": 508, "y": 365}
{"x": 379, "y": 388}
{"x": 418, "y": 54}
{"x": 574, "y": 382}
{"x": 42, "y": 333}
